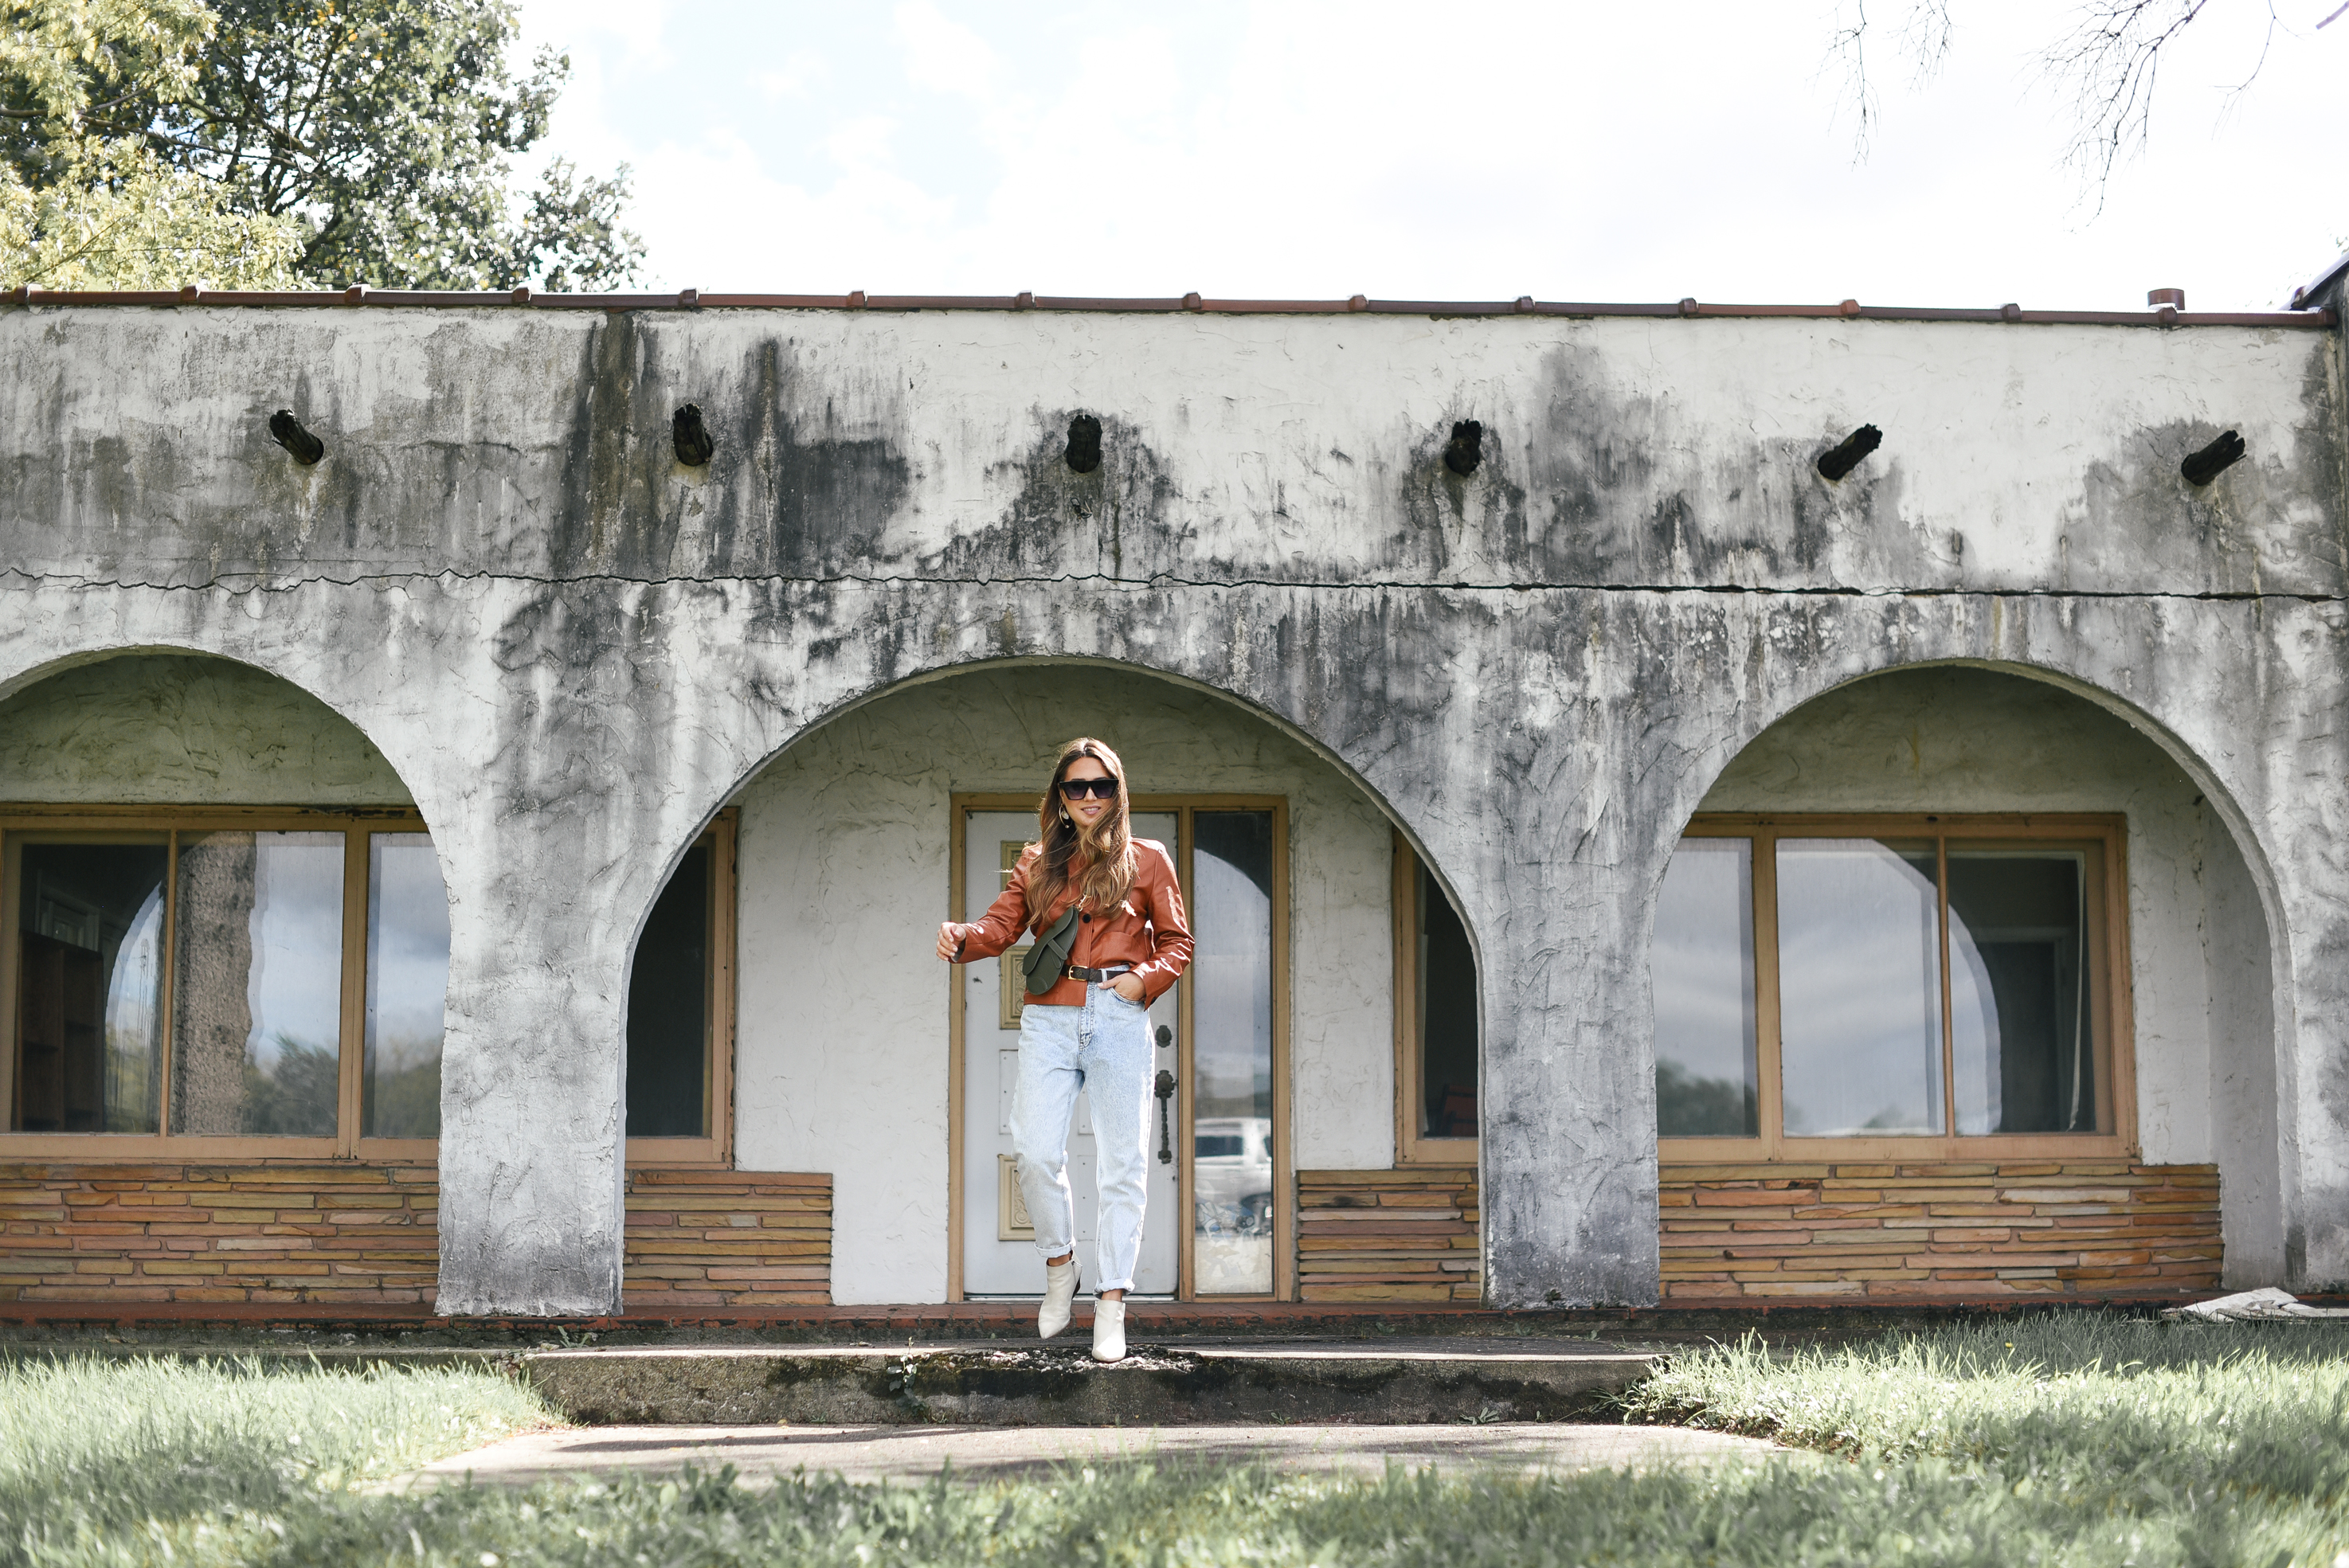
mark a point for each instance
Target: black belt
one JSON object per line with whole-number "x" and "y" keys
{"x": 1097, "y": 976}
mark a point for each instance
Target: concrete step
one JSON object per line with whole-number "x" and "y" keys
{"x": 1168, "y": 1384}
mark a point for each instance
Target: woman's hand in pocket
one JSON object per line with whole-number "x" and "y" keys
{"x": 1128, "y": 986}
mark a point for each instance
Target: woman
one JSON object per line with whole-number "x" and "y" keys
{"x": 1090, "y": 1028}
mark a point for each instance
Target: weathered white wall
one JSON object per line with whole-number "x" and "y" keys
{"x": 841, "y": 1053}
{"x": 572, "y": 650}
{"x": 175, "y": 729}
{"x": 1953, "y": 738}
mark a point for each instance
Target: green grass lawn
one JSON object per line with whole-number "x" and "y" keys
{"x": 2074, "y": 1439}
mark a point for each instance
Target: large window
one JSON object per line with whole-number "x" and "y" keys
{"x": 257, "y": 984}
{"x": 1831, "y": 986}
{"x": 223, "y": 982}
{"x": 1435, "y": 1020}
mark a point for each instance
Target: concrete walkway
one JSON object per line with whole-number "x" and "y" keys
{"x": 900, "y": 1453}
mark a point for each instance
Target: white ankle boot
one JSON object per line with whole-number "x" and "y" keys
{"x": 1060, "y": 1290}
{"x": 1109, "y": 1330}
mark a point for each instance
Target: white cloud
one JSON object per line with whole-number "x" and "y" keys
{"x": 801, "y": 69}
{"x": 1571, "y": 152}
{"x": 942, "y": 54}
{"x": 638, "y": 26}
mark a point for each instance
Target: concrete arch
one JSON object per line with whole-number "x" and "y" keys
{"x": 2248, "y": 839}
{"x": 1282, "y": 723}
{"x": 890, "y": 778}
{"x": 2259, "y": 1181}
{"x": 348, "y": 685}
{"x": 851, "y": 703}
{"x": 709, "y": 801}
{"x": 348, "y": 768}
{"x": 2250, "y": 842}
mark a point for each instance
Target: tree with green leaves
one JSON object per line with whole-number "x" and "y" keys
{"x": 332, "y": 141}
{"x": 81, "y": 210}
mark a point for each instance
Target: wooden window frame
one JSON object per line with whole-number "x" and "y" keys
{"x": 357, "y": 823}
{"x": 1183, "y": 807}
{"x": 715, "y": 1152}
{"x": 1413, "y": 1147}
{"x": 2109, "y": 980}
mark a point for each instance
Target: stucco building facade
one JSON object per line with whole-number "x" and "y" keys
{"x": 492, "y": 868}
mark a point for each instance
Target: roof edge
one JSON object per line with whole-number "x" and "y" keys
{"x": 2324, "y": 291}
{"x": 2317, "y": 313}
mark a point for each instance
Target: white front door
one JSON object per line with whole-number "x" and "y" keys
{"x": 998, "y": 1255}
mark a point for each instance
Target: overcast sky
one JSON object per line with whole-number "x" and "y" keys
{"x": 1571, "y": 151}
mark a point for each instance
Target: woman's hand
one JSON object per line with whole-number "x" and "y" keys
{"x": 949, "y": 941}
{"x": 1128, "y": 985}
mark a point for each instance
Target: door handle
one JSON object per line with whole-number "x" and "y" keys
{"x": 1165, "y": 1090}
{"x": 1165, "y": 1035}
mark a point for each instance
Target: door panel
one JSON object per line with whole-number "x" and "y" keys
{"x": 998, "y": 1258}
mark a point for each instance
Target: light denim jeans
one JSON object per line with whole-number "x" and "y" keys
{"x": 1102, "y": 1048}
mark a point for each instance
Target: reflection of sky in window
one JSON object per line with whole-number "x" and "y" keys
{"x": 1231, "y": 982}
{"x": 1860, "y": 989}
{"x": 408, "y": 949}
{"x": 295, "y": 986}
{"x": 1975, "y": 1047}
{"x": 1702, "y": 961}
{"x": 132, "y": 989}
{"x": 134, "y": 1043}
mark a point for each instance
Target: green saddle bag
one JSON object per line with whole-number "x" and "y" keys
{"x": 1045, "y": 961}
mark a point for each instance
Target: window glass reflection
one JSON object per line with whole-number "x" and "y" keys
{"x": 89, "y": 955}
{"x": 257, "y": 984}
{"x": 1231, "y": 1063}
{"x": 2021, "y": 1033}
{"x": 408, "y": 987}
{"x": 1702, "y": 965}
{"x": 1860, "y": 986}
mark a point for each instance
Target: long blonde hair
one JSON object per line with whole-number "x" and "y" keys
{"x": 1105, "y": 850}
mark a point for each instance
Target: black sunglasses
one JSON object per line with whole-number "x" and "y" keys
{"x": 1099, "y": 789}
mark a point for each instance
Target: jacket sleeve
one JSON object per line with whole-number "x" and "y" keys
{"x": 1005, "y": 922}
{"x": 1170, "y": 931}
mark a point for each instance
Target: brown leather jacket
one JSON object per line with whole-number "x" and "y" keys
{"x": 1147, "y": 929}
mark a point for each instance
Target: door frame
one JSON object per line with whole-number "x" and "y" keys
{"x": 960, "y": 805}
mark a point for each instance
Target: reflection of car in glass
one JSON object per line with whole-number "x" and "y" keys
{"x": 1231, "y": 1170}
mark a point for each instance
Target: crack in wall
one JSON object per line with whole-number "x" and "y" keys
{"x": 391, "y": 579}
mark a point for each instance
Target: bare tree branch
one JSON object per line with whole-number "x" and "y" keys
{"x": 2106, "y": 65}
{"x": 2109, "y": 64}
{"x": 1922, "y": 36}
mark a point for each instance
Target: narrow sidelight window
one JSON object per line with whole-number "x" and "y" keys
{"x": 1447, "y": 1015}
{"x": 1436, "y": 1010}
{"x": 669, "y": 1009}
{"x": 1234, "y": 1199}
